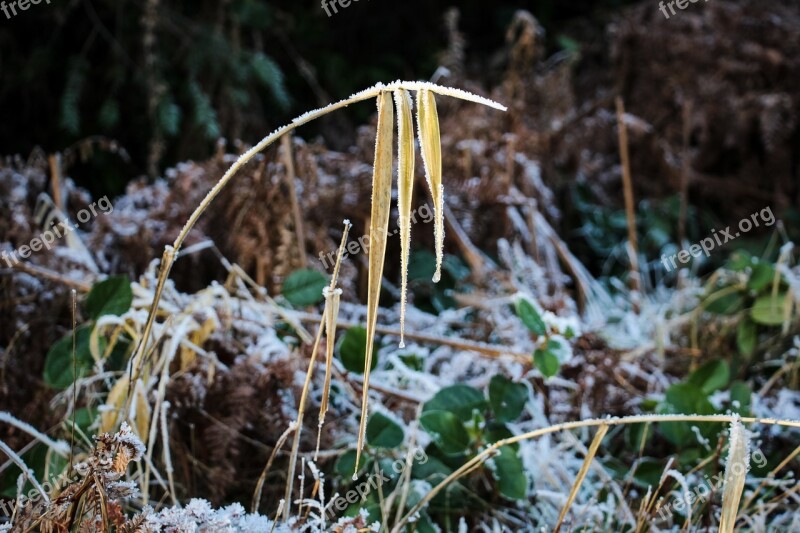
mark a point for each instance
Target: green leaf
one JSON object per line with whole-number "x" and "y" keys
{"x": 712, "y": 376}
{"x": 304, "y": 287}
{"x": 454, "y": 266}
{"x": 547, "y": 362}
{"x": 421, "y": 265}
{"x": 762, "y": 275}
{"x": 507, "y": 398}
{"x": 384, "y": 432}
{"x": 510, "y": 474}
{"x": 58, "y": 367}
{"x": 739, "y": 260}
{"x": 446, "y": 430}
{"x": 432, "y": 467}
{"x": 724, "y": 302}
{"x": 112, "y": 296}
{"x": 530, "y": 317}
{"x": 768, "y": 311}
{"x": 461, "y": 400}
{"x": 746, "y": 336}
{"x": 346, "y": 464}
{"x": 496, "y": 431}
{"x": 353, "y": 349}
{"x": 648, "y": 471}
{"x": 685, "y": 398}
{"x": 742, "y": 394}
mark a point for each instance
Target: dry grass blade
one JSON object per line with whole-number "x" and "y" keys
{"x": 735, "y": 474}
{"x": 378, "y": 232}
{"x": 405, "y": 191}
{"x": 587, "y": 462}
{"x": 431, "y": 144}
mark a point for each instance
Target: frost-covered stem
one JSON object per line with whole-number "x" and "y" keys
{"x": 25, "y": 470}
{"x": 60, "y": 447}
{"x": 299, "y": 422}
{"x": 489, "y": 451}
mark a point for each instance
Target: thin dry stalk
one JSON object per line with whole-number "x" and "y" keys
{"x": 480, "y": 458}
{"x": 335, "y": 295}
{"x": 288, "y": 161}
{"x": 587, "y": 462}
{"x": 299, "y": 422}
{"x": 263, "y": 477}
{"x": 483, "y": 349}
{"x": 769, "y": 477}
{"x": 685, "y": 171}
{"x": 54, "y": 160}
{"x": 627, "y": 182}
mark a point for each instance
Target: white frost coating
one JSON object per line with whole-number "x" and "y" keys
{"x": 60, "y": 447}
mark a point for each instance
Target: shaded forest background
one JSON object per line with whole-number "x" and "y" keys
{"x": 166, "y": 79}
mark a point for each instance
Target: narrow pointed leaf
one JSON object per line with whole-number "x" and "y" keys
{"x": 378, "y": 231}
{"x": 431, "y": 144}
{"x": 405, "y": 190}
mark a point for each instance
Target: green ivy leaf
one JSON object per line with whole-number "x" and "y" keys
{"x": 384, "y": 432}
{"x": 112, "y": 296}
{"x": 507, "y": 398}
{"x": 547, "y": 362}
{"x": 762, "y": 275}
{"x": 746, "y": 336}
{"x": 353, "y": 350}
{"x": 446, "y": 430}
{"x": 712, "y": 376}
{"x": 461, "y": 400}
{"x": 510, "y": 474}
{"x": 304, "y": 287}
{"x": 530, "y": 317}
{"x": 768, "y": 311}
{"x": 684, "y": 398}
{"x": 58, "y": 367}
{"x": 724, "y": 302}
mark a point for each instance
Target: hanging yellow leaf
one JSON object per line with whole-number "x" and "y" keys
{"x": 405, "y": 190}
{"x": 378, "y": 232}
{"x": 431, "y": 144}
{"x": 114, "y": 402}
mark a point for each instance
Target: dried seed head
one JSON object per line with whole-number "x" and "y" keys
{"x": 431, "y": 144}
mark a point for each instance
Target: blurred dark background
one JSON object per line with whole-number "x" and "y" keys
{"x": 167, "y": 78}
